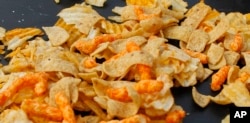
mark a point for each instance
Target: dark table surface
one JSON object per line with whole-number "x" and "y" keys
{"x": 38, "y": 13}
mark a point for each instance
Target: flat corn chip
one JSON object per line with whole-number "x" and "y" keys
{"x": 98, "y": 3}
{"x": 246, "y": 57}
{"x": 196, "y": 14}
{"x": 215, "y": 53}
{"x": 197, "y": 41}
{"x": 222, "y": 62}
{"x": 119, "y": 67}
{"x": 231, "y": 57}
{"x": 233, "y": 73}
{"x": 74, "y": 33}
{"x": 181, "y": 33}
{"x": 57, "y": 35}
{"x": 219, "y": 30}
{"x": 200, "y": 99}
{"x": 237, "y": 93}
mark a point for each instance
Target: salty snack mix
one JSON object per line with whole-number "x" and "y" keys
{"x": 92, "y": 69}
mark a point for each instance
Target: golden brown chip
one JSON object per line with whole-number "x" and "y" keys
{"x": 222, "y": 62}
{"x": 221, "y": 99}
{"x": 233, "y": 73}
{"x": 231, "y": 57}
{"x": 22, "y": 33}
{"x": 197, "y": 41}
{"x": 57, "y": 35}
{"x": 219, "y": 30}
{"x": 246, "y": 57}
{"x": 181, "y": 33}
{"x": 196, "y": 14}
{"x": 215, "y": 53}
{"x": 200, "y": 99}
{"x": 120, "y": 66}
{"x": 237, "y": 93}
{"x": 74, "y": 33}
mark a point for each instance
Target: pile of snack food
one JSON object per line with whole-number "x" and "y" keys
{"x": 87, "y": 68}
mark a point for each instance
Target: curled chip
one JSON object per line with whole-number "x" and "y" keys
{"x": 200, "y": 99}
{"x": 237, "y": 93}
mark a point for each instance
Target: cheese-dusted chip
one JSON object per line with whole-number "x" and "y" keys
{"x": 197, "y": 41}
{"x": 215, "y": 53}
{"x": 57, "y": 35}
{"x": 196, "y": 14}
{"x": 178, "y": 32}
{"x": 237, "y": 93}
{"x": 82, "y": 16}
{"x": 141, "y": 2}
{"x": 99, "y": 3}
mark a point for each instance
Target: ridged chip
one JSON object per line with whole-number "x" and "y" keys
{"x": 112, "y": 28}
{"x": 82, "y": 16}
{"x": 22, "y": 33}
{"x": 74, "y": 33}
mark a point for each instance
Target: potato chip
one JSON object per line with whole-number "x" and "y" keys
{"x": 88, "y": 119}
{"x": 14, "y": 115}
{"x": 57, "y": 35}
{"x": 98, "y": 3}
{"x": 197, "y": 41}
{"x": 82, "y": 16}
{"x": 2, "y": 33}
{"x": 200, "y": 99}
{"x": 153, "y": 46}
{"x": 196, "y": 14}
{"x": 233, "y": 73}
{"x": 237, "y": 93}
{"x": 179, "y": 5}
{"x": 221, "y": 99}
{"x": 112, "y": 28}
